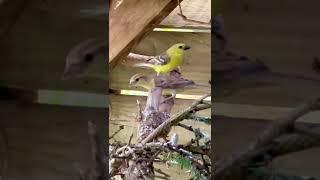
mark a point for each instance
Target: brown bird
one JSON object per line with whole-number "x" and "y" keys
{"x": 169, "y": 83}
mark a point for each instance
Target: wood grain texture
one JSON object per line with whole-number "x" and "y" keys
{"x": 130, "y": 21}
{"x": 197, "y": 66}
{"x": 46, "y": 141}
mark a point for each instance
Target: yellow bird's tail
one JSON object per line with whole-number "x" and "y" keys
{"x": 144, "y": 65}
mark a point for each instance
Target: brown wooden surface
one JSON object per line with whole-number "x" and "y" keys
{"x": 131, "y": 20}
{"x": 197, "y": 64}
{"x": 45, "y": 141}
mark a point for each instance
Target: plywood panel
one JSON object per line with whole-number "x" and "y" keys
{"x": 130, "y": 21}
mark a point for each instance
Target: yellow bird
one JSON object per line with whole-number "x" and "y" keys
{"x": 169, "y": 61}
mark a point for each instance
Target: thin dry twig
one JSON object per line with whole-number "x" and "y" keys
{"x": 121, "y": 127}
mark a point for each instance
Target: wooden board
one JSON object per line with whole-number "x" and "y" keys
{"x": 197, "y": 66}
{"x": 129, "y": 21}
{"x": 46, "y": 141}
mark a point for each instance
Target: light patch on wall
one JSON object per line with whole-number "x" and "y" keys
{"x": 182, "y": 30}
{"x": 178, "y": 96}
{"x": 69, "y": 98}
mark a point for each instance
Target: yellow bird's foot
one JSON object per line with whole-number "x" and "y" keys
{"x": 179, "y": 69}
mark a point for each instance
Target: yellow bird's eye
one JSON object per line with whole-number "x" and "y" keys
{"x": 180, "y": 47}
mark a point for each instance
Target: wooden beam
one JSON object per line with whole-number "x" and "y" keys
{"x": 130, "y": 21}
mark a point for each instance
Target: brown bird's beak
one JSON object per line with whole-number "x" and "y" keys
{"x": 186, "y": 47}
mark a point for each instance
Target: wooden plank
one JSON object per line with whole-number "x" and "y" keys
{"x": 129, "y": 21}
{"x": 197, "y": 64}
{"x": 55, "y": 97}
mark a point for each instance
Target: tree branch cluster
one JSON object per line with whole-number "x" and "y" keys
{"x": 156, "y": 122}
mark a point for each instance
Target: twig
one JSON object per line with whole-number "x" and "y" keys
{"x": 161, "y": 172}
{"x": 206, "y": 120}
{"x": 196, "y": 131}
{"x": 176, "y": 119}
{"x": 120, "y": 128}
{"x": 130, "y": 138}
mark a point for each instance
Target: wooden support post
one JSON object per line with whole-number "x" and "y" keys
{"x": 130, "y": 21}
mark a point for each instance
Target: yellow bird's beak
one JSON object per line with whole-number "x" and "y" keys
{"x": 186, "y": 47}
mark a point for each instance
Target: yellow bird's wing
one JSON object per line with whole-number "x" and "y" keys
{"x": 160, "y": 60}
